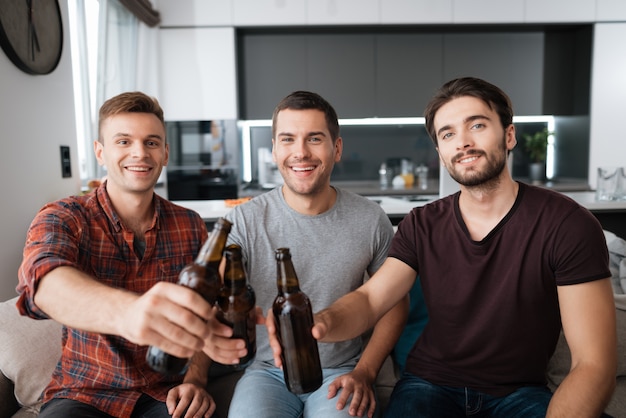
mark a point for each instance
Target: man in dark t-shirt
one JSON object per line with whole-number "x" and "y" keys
{"x": 503, "y": 266}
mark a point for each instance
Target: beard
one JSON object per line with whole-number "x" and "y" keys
{"x": 490, "y": 175}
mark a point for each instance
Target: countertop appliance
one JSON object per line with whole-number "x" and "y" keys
{"x": 199, "y": 166}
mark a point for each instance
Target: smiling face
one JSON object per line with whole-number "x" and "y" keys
{"x": 304, "y": 151}
{"x": 132, "y": 147}
{"x": 472, "y": 143}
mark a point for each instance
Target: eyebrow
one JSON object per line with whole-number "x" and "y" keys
{"x": 313, "y": 133}
{"x": 125, "y": 135}
{"x": 466, "y": 120}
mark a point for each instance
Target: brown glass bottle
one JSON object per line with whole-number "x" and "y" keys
{"x": 236, "y": 302}
{"x": 202, "y": 276}
{"x": 293, "y": 316}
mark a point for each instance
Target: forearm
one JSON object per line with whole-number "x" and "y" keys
{"x": 358, "y": 311}
{"x": 198, "y": 371}
{"x": 347, "y": 318}
{"x": 74, "y": 299}
{"x": 585, "y": 392}
{"x": 383, "y": 339}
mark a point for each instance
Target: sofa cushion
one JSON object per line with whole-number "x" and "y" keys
{"x": 29, "y": 351}
{"x": 560, "y": 363}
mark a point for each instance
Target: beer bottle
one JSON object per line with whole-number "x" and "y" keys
{"x": 236, "y": 302}
{"x": 293, "y": 316}
{"x": 202, "y": 276}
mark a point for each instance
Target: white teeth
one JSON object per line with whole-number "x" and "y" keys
{"x": 303, "y": 168}
{"x": 137, "y": 168}
{"x": 467, "y": 160}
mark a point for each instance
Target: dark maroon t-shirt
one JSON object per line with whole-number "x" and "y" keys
{"x": 493, "y": 312}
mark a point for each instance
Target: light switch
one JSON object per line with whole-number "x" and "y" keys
{"x": 66, "y": 164}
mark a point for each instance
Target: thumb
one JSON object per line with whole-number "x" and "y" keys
{"x": 319, "y": 331}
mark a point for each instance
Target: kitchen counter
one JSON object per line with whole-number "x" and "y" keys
{"x": 399, "y": 206}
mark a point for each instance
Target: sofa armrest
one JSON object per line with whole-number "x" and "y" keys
{"x": 8, "y": 403}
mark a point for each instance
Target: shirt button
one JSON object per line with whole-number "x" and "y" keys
{"x": 140, "y": 274}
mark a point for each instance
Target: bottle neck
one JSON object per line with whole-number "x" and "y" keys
{"x": 211, "y": 253}
{"x": 287, "y": 280}
{"x": 234, "y": 275}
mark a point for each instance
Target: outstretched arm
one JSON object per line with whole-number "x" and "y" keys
{"x": 588, "y": 317}
{"x": 169, "y": 316}
{"x": 360, "y": 310}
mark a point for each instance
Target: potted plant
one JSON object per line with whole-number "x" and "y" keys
{"x": 536, "y": 145}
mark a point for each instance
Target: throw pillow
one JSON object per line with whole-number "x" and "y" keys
{"x": 29, "y": 351}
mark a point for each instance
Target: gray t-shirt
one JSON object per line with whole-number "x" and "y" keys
{"x": 331, "y": 253}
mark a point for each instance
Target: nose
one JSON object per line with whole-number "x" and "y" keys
{"x": 463, "y": 141}
{"x": 138, "y": 149}
{"x": 301, "y": 148}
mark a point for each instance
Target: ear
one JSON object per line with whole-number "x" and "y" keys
{"x": 167, "y": 154}
{"x": 98, "y": 149}
{"x": 509, "y": 134}
{"x": 273, "y": 151}
{"x": 338, "y": 149}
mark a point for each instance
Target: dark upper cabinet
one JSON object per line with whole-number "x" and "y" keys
{"x": 367, "y": 73}
{"x": 408, "y": 71}
{"x": 512, "y": 61}
{"x": 272, "y": 67}
{"x": 341, "y": 68}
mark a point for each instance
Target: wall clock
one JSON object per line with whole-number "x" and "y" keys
{"x": 31, "y": 34}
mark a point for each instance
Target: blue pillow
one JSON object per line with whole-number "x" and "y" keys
{"x": 418, "y": 316}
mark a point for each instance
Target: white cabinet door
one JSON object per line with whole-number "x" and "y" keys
{"x": 269, "y": 12}
{"x": 488, "y": 11}
{"x": 198, "y": 74}
{"x": 332, "y": 12}
{"x": 415, "y": 11}
{"x": 610, "y": 10}
{"x": 560, "y": 11}
{"x": 607, "y": 146}
{"x": 196, "y": 12}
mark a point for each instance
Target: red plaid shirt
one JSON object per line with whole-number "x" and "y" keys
{"x": 85, "y": 232}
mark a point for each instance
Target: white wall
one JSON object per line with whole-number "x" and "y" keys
{"x": 608, "y": 91}
{"x": 36, "y": 118}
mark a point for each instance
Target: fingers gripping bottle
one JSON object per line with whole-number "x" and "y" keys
{"x": 236, "y": 302}
{"x": 202, "y": 276}
{"x": 293, "y": 316}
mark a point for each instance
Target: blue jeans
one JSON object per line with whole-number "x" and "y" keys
{"x": 263, "y": 393}
{"x": 415, "y": 397}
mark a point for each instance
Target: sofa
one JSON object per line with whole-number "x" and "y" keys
{"x": 29, "y": 350}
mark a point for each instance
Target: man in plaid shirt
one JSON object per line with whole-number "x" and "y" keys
{"x": 104, "y": 265}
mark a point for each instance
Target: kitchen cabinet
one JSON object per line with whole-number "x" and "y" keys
{"x": 610, "y": 10}
{"x": 560, "y": 11}
{"x": 341, "y": 69}
{"x": 269, "y": 12}
{"x": 415, "y": 11}
{"x": 198, "y": 74}
{"x": 191, "y": 13}
{"x": 608, "y": 88}
{"x": 409, "y": 67}
{"x": 512, "y": 61}
{"x": 344, "y": 12}
{"x": 488, "y": 11}
{"x": 338, "y": 67}
{"x": 391, "y": 73}
{"x": 273, "y": 66}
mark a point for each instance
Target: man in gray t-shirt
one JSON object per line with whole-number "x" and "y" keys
{"x": 336, "y": 239}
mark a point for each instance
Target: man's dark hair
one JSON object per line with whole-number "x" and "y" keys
{"x": 305, "y": 100}
{"x": 493, "y": 96}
